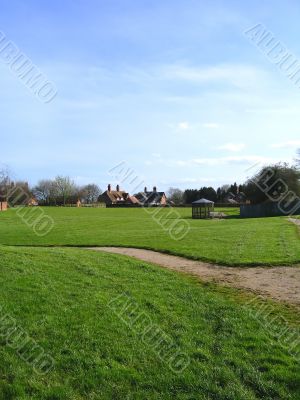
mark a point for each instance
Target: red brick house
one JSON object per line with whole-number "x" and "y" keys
{"x": 117, "y": 197}
{"x": 3, "y": 206}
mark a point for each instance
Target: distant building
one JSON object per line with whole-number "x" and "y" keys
{"x": 32, "y": 202}
{"x": 152, "y": 198}
{"x": 117, "y": 197}
{"x": 121, "y": 198}
{"x": 3, "y": 205}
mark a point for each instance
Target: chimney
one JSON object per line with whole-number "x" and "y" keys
{"x": 118, "y": 188}
{"x": 145, "y": 189}
{"x": 109, "y": 188}
{"x": 154, "y": 189}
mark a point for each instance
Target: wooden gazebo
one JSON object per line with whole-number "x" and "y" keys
{"x": 202, "y": 208}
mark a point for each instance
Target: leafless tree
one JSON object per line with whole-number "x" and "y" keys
{"x": 65, "y": 187}
{"x": 5, "y": 182}
{"x": 90, "y": 193}
{"x": 175, "y": 195}
{"x": 43, "y": 190}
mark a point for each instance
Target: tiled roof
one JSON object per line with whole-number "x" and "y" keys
{"x": 150, "y": 197}
{"x": 132, "y": 200}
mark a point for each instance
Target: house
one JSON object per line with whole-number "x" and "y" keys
{"x": 132, "y": 200}
{"x": 117, "y": 197}
{"x": 32, "y": 202}
{"x": 152, "y": 198}
{"x": 3, "y": 205}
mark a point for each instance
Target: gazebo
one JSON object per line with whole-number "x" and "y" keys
{"x": 202, "y": 208}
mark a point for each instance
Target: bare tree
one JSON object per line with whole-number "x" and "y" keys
{"x": 5, "y": 182}
{"x": 175, "y": 195}
{"x": 43, "y": 190}
{"x": 90, "y": 193}
{"x": 65, "y": 187}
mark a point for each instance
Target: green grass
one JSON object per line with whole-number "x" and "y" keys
{"x": 60, "y": 298}
{"x": 232, "y": 241}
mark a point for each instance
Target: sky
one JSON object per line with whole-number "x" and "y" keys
{"x": 175, "y": 90}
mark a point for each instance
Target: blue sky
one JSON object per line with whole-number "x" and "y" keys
{"x": 173, "y": 88}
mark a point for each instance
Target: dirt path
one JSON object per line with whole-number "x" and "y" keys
{"x": 279, "y": 283}
{"x": 295, "y": 221}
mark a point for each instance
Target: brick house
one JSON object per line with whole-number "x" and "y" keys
{"x": 117, "y": 197}
{"x": 3, "y": 205}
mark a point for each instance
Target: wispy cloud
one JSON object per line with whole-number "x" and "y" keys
{"x": 233, "y": 74}
{"x": 239, "y": 75}
{"x": 286, "y": 145}
{"x": 211, "y": 125}
{"x": 183, "y": 126}
{"x": 195, "y": 180}
{"x": 235, "y": 147}
{"x": 251, "y": 159}
{"x": 216, "y": 161}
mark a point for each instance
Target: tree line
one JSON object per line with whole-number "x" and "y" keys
{"x": 280, "y": 177}
{"x": 63, "y": 190}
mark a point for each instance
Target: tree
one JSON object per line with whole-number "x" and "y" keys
{"x": 233, "y": 189}
{"x": 175, "y": 195}
{"x": 190, "y": 195}
{"x": 43, "y": 190}
{"x": 64, "y": 188}
{"x": 5, "y": 183}
{"x": 272, "y": 183}
{"x": 20, "y": 193}
{"x": 90, "y": 193}
{"x": 298, "y": 159}
{"x": 208, "y": 193}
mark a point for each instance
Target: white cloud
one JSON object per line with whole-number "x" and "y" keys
{"x": 183, "y": 126}
{"x": 211, "y": 125}
{"x": 233, "y": 160}
{"x": 239, "y": 75}
{"x": 213, "y": 161}
{"x": 275, "y": 110}
{"x": 286, "y": 145}
{"x": 235, "y": 74}
{"x": 248, "y": 160}
{"x": 232, "y": 147}
{"x": 195, "y": 180}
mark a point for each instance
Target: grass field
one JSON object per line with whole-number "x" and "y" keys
{"x": 60, "y": 298}
{"x": 232, "y": 241}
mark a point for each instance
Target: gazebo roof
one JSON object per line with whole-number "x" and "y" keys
{"x": 202, "y": 201}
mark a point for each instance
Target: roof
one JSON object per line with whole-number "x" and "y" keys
{"x": 202, "y": 201}
{"x": 232, "y": 201}
{"x": 132, "y": 200}
{"x": 150, "y": 197}
{"x": 115, "y": 196}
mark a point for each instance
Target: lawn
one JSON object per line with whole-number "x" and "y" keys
{"x": 64, "y": 300}
{"x": 232, "y": 241}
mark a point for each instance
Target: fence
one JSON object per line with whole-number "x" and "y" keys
{"x": 270, "y": 209}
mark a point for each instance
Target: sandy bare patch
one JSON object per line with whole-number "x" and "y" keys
{"x": 295, "y": 221}
{"x": 279, "y": 283}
